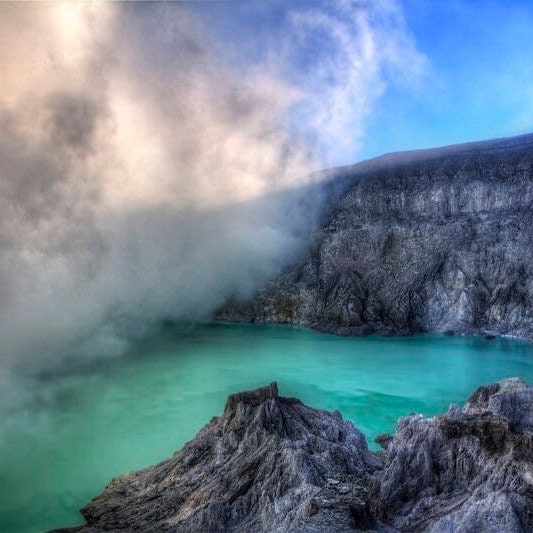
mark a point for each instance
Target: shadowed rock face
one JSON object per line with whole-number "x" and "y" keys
{"x": 435, "y": 240}
{"x": 272, "y": 464}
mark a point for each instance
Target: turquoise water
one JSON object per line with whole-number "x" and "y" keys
{"x": 130, "y": 412}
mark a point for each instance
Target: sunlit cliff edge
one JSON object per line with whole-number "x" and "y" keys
{"x": 428, "y": 240}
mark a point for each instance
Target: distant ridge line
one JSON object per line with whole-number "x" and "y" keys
{"x": 390, "y": 159}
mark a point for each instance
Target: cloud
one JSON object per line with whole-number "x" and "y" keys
{"x": 143, "y": 178}
{"x": 342, "y": 58}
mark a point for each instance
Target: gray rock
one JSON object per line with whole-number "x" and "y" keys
{"x": 467, "y": 470}
{"x": 384, "y": 439}
{"x": 434, "y": 240}
{"x": 261, "y": 466}
{"x": 273, "y": 464}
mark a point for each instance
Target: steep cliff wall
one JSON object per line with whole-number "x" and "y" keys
{"x": 434, "y": 240}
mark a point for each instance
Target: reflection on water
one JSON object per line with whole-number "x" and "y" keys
{"x": 131, "y": 412}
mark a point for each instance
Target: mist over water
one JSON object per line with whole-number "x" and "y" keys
{"x": 147, "y": 172}
{"x": 120, "y": 184}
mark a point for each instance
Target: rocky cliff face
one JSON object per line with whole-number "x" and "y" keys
{"x": 272, "y": 464}
{"x": 468, "y": 470}
{"x": 435, "y": 240}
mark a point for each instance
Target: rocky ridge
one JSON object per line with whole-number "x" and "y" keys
{"x": 273, "y": 464}
{"x": 433, "y": 240}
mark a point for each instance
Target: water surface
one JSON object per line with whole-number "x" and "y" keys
{"x": 133, "y": 411}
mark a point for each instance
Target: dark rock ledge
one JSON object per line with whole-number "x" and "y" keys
{"x": 273, "y": 464}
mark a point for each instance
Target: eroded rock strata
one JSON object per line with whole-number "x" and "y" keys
{"x": 433, "y": 240}
{"x": 273, "y": 464}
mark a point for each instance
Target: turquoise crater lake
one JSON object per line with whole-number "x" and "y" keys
{"x": 130, "y": 412}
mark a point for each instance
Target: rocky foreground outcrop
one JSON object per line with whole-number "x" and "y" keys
{"x": 432, "y": 240}
{"x": 272, "y": 464}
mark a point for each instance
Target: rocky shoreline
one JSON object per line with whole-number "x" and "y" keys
{"x": 434, "y": 240}
{"x": 270, "y": 463}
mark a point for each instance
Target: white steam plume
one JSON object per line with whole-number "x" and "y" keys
{"x": 143, "y": 179}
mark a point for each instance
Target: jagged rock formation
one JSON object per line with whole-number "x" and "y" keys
{"x": 255, "y": 468}
{"x": 433, "y": 240}
{"x": 468, "y": 470}
{"x": 272, "y": 464}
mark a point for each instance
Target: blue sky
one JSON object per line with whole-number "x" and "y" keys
{"x": 479, "y": 83}
{"x": 477, "y": 80}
